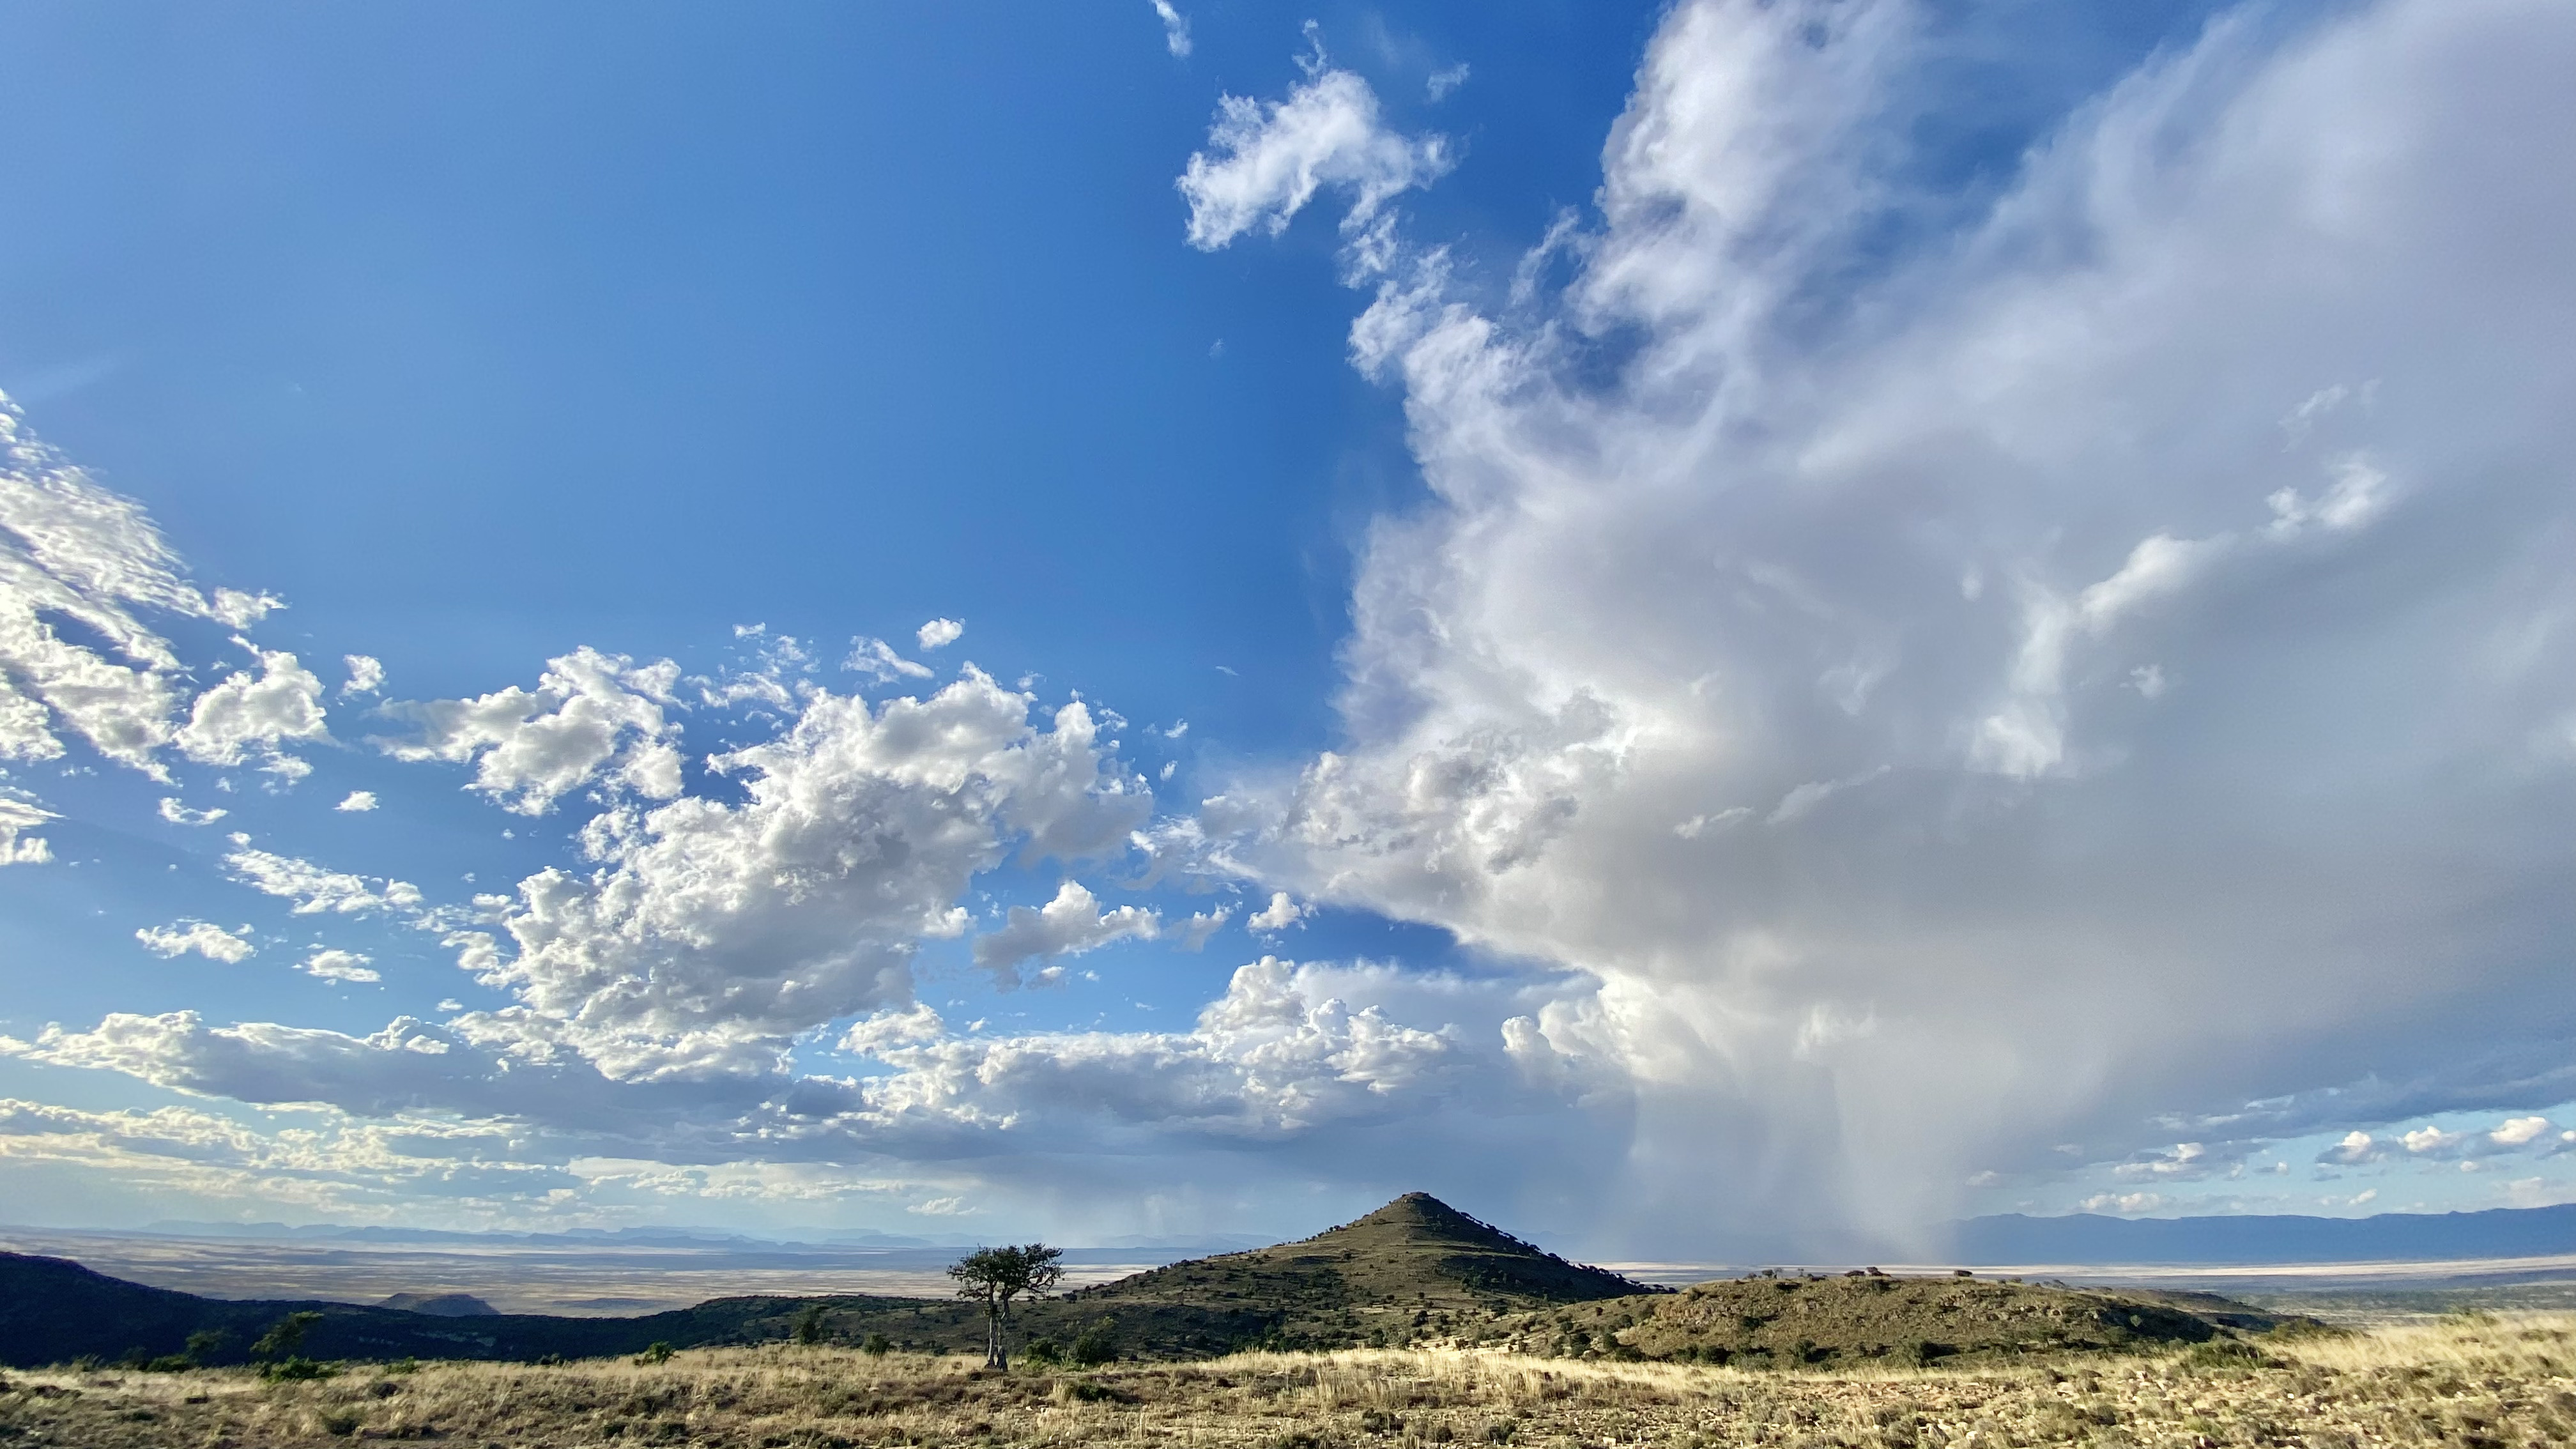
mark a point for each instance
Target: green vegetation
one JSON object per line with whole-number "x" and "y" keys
{"x": 992, "y": 1277}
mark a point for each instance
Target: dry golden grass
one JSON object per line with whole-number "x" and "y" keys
{"x": 2479, "y": 1383}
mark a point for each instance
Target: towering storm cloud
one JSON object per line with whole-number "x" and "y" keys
{"x": 2008, "y": 696}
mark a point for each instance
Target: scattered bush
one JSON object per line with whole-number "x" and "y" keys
{"x": 1093, "y": 1347}
{"x": 285, "y": 1337}
{"x": 656, "y": 1352}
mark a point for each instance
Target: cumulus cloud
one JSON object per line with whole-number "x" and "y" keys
{"x": 1780, "y": 494}
{"x": 366, "y": 674}
{"x": 177, "y": 813}
{"x": 331, "y": 965}
{"x": 1275, "y": 1054}
{"x": 2519, "y": 1131}
{"x": 250, "y": 714}
{"x": 1176, "y": 29}
{"x": 592, "y": 717}
{"x": 1279, "y": 915}
{"x": 357, "y": 801}
{"x": 1266, "y": 160}
{"x": 203, "y": 937}
{"x": 708, "y": 931}
{"x": 940, "y": 633}
{"x": 1068, "y": 925}
{"x": 73, "y": 554}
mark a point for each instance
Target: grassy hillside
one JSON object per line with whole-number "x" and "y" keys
{"x": 1383, "y": 1279}
{"x": 2479, "y": 1384}
{"x": 1795, "y": 1322}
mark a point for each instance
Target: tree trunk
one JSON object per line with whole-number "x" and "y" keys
{"x": 992, "y": 1338}
{"x": 1001, "y": 1358}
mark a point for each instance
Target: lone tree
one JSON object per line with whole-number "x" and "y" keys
{"x": 995, "y": 1276}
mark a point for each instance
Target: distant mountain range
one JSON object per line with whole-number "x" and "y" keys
{"x": 2087, "y": 1238}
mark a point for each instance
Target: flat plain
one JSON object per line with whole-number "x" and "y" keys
{"x": 2475, "y": 1381}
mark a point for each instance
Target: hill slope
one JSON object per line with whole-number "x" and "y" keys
{"x": 1365, "y": 1281}
{"x": 1775, "y": 1321}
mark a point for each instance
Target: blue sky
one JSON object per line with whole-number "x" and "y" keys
{"x": 1678, "y": 624}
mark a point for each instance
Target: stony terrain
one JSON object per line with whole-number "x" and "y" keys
{"x": 2493, "y": 1383}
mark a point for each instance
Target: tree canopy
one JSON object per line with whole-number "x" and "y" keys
{"x": 995, "y": 1276}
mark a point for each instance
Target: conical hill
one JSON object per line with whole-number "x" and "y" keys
{"x": 1412, "y": 1262}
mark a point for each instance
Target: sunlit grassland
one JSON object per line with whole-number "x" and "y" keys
{"x": 2478, "y": 1382}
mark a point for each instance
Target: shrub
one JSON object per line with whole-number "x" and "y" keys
{"x": 876, "y": 1345}
{"x": 1043, "y": 1351}
{"x": 296, "y": 1368}
{"x": 285, "y": 1337}
{"x": 1093, "y": 1347}
{"x": 656, "y": 1352}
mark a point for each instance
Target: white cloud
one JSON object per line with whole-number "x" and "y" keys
{"x": 315, "y": 889}
{"x": 709, "y": 932}
{"x": 249, "y": 713}
{"x": 1656, "y": 575}
{"x": 1176, "y": 29}
{"x": 366, "y": 674}
{"x": 2433, "y": 1141}
{"x": 333, "y": 965}
{"x": 71, "y": 551}
{"x": 2519, "y": 1131}
{"x": 1068, "y": 925}
{"x": 1276, "y": 1054}
{"x": 334, "y": 1169}
{"x": 876, "y": 659}
{"x": 16, "y": 846}
{"x": 1445, "y": 80}
{"x": 592, "y": 716}
{"x": 357, "y": 800}
{"x": 2127, "y": 1203}
{"x": 1193, "y": 934}
{"x": 203, "y": 937}
{"x": 1265, "y": 161}
{"x": 177, "y": 813}
{"x": 939, "y": 633}
{"x": 1279, "y": 915}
